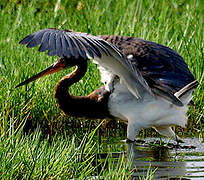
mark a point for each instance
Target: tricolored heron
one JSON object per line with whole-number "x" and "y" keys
{"x": 145, "y": 84}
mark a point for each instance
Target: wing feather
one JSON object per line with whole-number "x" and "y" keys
{"x": 59, "y": 49}
{"x": 27, "y": 39}
{"x": 78, "y": 46}
{"x": 45, "y": 42}
{"x": 65, "y": 47}
{"x": 84, "y": 45}
{"x": 52, "y": 45}
{"x": 91, "y": 46}
{"x": 100, "y": 46}
{"x": 72, "y": 47}
{"x": 36, "y": 39}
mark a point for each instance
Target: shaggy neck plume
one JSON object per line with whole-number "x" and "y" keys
{"x": 95, "y": 105}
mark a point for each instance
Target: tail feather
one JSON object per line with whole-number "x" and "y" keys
{"x": 185, "y": 94}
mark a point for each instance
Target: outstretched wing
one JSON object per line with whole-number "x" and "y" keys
{"x": 64, "y": 43}
{"x": 164, "y": 69}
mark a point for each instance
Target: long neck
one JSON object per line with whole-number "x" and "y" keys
{"x": 91, "y": 106}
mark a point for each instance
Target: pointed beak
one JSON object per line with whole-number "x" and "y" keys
{"x": 50, "y": 70}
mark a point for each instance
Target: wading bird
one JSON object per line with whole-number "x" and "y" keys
{"x": 145, "y": 84}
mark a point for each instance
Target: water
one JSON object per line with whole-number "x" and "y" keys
{"x": 170, "y": 161}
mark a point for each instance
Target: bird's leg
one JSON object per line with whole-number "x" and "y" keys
{"x": 131, "y": 132}
{"x": 168, "y": 132}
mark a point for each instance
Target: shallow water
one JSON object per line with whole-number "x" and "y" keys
{"x": 171, "y": 161}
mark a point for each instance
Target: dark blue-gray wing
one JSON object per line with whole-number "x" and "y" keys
{"x": 65, "y": 43}
{"x": 164, "y": 69}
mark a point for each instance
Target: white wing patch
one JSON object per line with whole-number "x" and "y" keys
{"x": 114, "y": 67}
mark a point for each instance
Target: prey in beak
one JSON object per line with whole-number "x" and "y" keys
{"x": 57, "y": 66}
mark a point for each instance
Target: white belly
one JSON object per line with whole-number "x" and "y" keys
{"x": 146, "y": 112}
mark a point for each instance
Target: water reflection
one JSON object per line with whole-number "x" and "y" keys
{"x": 147, "y": 159}
{"x": 170, "y": 161}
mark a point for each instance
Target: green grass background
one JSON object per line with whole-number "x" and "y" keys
{"x": 178, "y": 24}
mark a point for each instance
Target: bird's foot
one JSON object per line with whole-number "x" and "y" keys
{"x": 129, "y": 141}
{"x": 139, "y": 141}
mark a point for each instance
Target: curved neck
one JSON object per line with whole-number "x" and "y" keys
{"x": 61, "y": 89}
{"x": 94, "y": 105}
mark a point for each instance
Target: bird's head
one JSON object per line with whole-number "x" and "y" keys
{"x": 61, "y": 63}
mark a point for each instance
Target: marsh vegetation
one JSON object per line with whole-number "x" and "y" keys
{"x": 36, "y": 139}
